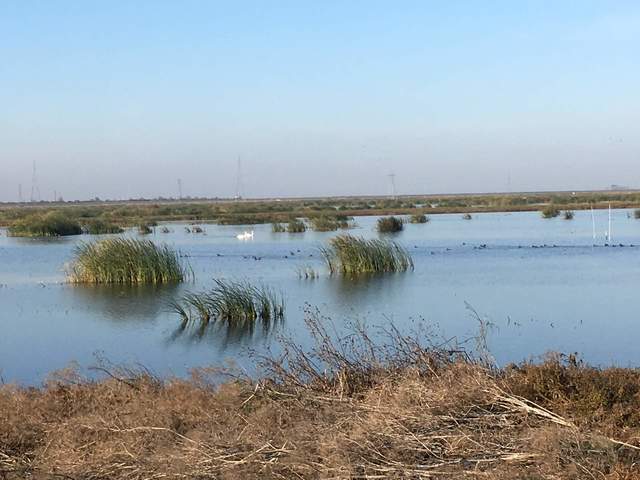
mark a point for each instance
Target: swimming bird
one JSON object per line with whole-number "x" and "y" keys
{"x": 245, "y": 235}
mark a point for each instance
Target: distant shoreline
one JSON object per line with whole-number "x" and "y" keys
{"x": 257, "y": 211}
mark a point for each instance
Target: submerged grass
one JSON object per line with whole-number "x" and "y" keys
{"x": 231, "y": 302}
{"x": 50, "y": 224}
{"x": 349, "y": 255}
{"x": 307, "y": 272}
{"x": 126, "y": 261}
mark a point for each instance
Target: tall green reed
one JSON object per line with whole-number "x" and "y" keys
{"x": 127, "y": 261}
{"x": 349, "y": 255}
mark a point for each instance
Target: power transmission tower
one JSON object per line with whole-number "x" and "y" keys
{"x": 392, "y": 180}
{"x": 34, "y": 185}
{"x": 180, "y": 189}
{"x": 239, "y": 187}
{"x": 20, "y": 192}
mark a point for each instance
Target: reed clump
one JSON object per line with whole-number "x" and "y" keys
{"x": 296, "y": 226}
{"x": 636, "y": 213}
{"x": 145, "y": 229}
{"x": 50, "y": 224}
{"x": 567, "y": 215}
{"x": 550, "y": 211}
{"x": 418, "y": 218}
{"x": 232, "y": 302}
{"x": 330, "y": 223}
{"x": 349, "y": 255}
{"x": 390, "y": 225}
{"x": 101, "y": 227}
{"x": 126, "y": 261}
{"x": 278, "y": 228}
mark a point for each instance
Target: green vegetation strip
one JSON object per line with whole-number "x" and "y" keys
{"x": 135, "y": 212}
{"x": 50, "y": 224}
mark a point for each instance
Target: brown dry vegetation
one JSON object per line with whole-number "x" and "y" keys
{"x": 351, "y": 409}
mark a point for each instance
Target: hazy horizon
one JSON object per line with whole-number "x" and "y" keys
{"x": 119, "y": 100}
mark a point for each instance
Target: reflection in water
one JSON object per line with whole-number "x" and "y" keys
{"x": 225, "y": 334}
{"x": 366, "y": 290}
{"x": 47, "y": 241}
{"x": 126, "y": 303}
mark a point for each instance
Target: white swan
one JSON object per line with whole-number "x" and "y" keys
{"x": 245, "y": 235}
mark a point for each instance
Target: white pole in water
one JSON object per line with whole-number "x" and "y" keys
{"x": 593, "y": 225}
{"x": 609, "y": 234}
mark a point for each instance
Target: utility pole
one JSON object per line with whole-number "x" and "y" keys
{"x": 34, "y": 185}
{"x": 180, "y": 189}
{"x": 20, "y": 192}
{"x": 392, "y": 179}
{"x": 239, "y": 180}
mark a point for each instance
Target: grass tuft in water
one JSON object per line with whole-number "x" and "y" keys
{"x": 550, "y": 211}
{"x": 349, "y": 255}
{"x": 307, "y": 272}
{"x": 390, "y": 224}
{"x": 231, "y": 302}
{"x": 419, "y": 218}
{"x": 278, "y": 228}
{"x": 145, "y": 229}
{"x": 101, "y": 227}
{"x": 329, "y": 223}
{"x": 126, "y": 261}
{"x": 51, "y": 224}
{"x": 296, "y": 226}
{"x": 567, "y": 215}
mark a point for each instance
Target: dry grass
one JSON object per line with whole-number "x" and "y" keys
{"x": 348, "y": 409}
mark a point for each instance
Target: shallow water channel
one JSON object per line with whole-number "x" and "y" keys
{"x": 540, "y": 284}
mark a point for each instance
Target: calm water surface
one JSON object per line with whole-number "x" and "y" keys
{"x": 541, "y": 283}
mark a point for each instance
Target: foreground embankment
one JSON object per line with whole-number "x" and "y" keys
{"x": 351, "y": 409}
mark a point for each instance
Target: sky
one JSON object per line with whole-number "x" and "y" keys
{"x": 119, "y": 99}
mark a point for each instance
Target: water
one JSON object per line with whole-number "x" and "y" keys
{"x": 566, "y": 296}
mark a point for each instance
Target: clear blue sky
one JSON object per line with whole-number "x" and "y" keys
{"x": 118, "y": 99}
